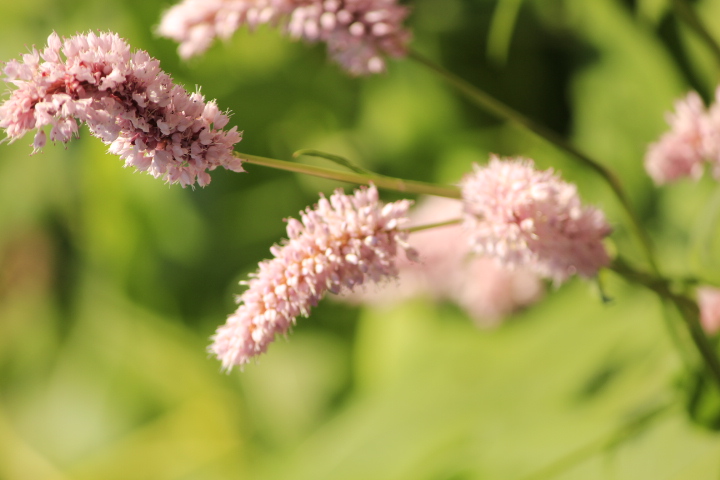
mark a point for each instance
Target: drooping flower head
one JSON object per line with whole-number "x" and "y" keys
{"x": 359, "y": 33}
{"x": 125, "y": 99}
{"x": 525, "y": 217}
{"x": 343, "y": 242}
{"x": 446, "y": 270}
{"x": 682, "y": 151}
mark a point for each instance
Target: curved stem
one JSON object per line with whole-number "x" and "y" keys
{"x": 688, "y": 14}
{"x": 342, "y": 161}
{"x": 499, "y": 109}
{"x": 687, "y": 308}
{"x": 380, "y": 181}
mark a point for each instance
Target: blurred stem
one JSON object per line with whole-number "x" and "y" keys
{"x": 380, "y": 181}
{"x": 342, "y": 161}
{"x": 625, "y": 432}
{"x": 686, "y": 12}
{"x": 687, "y": 308}
{"x": 420, "y": 228}
{"x": 499, "y": 109}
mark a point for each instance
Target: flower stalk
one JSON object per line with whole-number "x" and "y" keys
{"x": 499, "y": 109}
{"x": 687, "y": 308}
{"x": 381, "y": 181}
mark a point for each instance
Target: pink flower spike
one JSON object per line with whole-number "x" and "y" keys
{"x": 125, "y": 99}
{"x": 709, "y": 303}
{"x": 342, "y": 242}
{"x": 525, "y": 217}
{"x": 681, "y": 152}
{"x": 359, "y": 33}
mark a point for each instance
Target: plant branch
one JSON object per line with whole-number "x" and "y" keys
{"x": 380, "y": 181}
{"x": 419, "y": 228}
{"x": 499, "y": 109}
{"x": 687, "y": 308}
{"x": 342, "y": 161}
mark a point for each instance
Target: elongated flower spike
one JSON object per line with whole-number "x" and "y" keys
{"x": 341, "y": 243}
{"x": 126, "y": 100}
{"x": 359, "y": 33}
{"x": 525, "y": 217}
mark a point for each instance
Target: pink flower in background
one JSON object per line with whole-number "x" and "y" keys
{"x": 529, "y": 218}
{"x": 709, "y": 303}
{"x": 343, "y": 242}
{"x": 446, "y": 270}
{"x": 196, "y": 23}
{"x": 359, "y": 33}
{"x": 681, "y": 152}
{"x": 126, "y": 100}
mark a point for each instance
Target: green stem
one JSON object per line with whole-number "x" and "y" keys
{"x": 499, "y": 109}
{"x": 687, "y": 308}
{"x": 380, "y": 181}
{"x": 342, "y": 161}
{"x": 446, "y": 223}
{"x": 688, "y": 14}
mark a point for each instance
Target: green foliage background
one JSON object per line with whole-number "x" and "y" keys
{"x": 111, "y": 282}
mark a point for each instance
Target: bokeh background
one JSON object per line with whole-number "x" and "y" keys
{"x": 111, "y": 282}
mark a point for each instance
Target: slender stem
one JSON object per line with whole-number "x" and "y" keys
{"x": 489, "y": 103}
{"x": 688, "y": 14}
{"x": 381, "y": 181}
{"x": 342, "y": 161}
{"x": 687, "y": 308}
{"x": 419, "y": 228}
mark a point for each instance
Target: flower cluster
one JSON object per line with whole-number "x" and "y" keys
{"x": 358, "y": 33}
{"x": 340, "y": 244}
{"x": 693, "y": 139}
{"x": 525, "y": 217}
{"x": 125, "y": 99}
{"x": 488, "y": 292}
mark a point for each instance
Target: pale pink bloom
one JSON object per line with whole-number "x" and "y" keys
{"x": 681, "y": 152}
{"x": 447, "y": 271}
{"x": 126, "y": 100}
{"x": 359, "y": 33}
{"x": 530, "y": 218}
{"x": 709, "y": 303}
{"x": 343, "y": 242}
{"x": 196, "y": 23}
